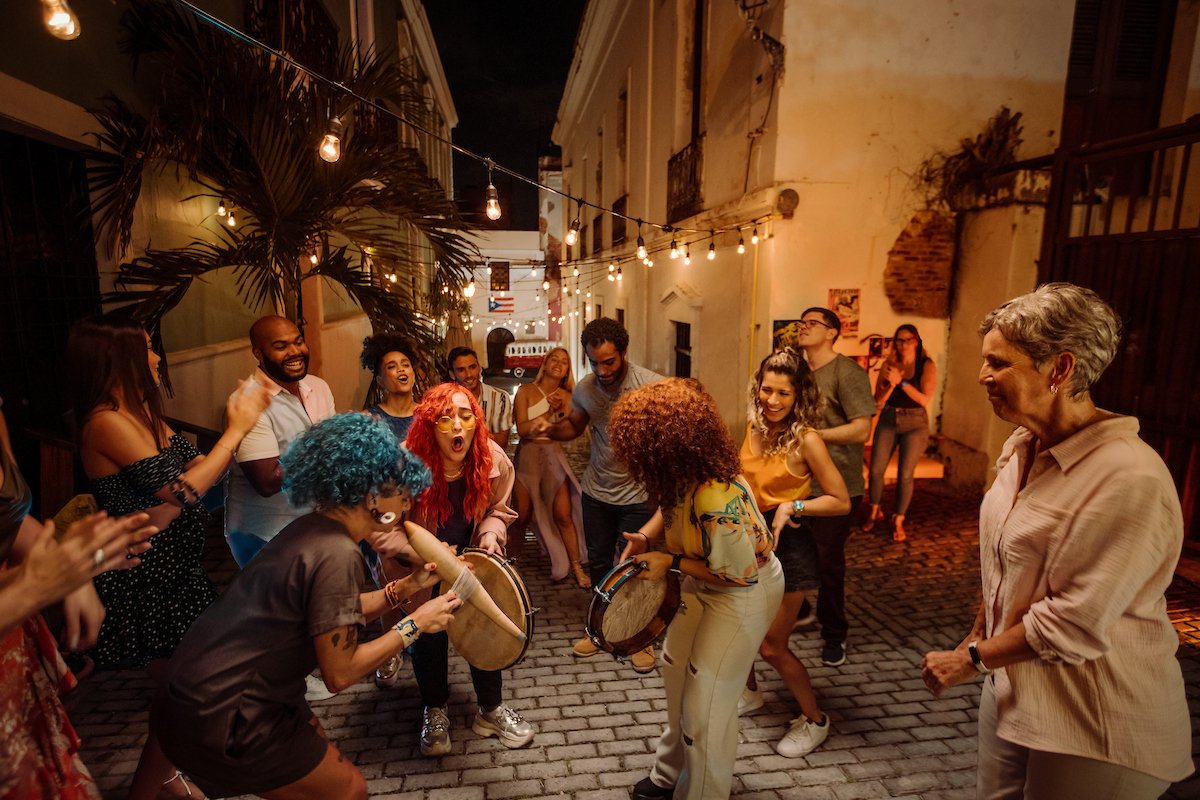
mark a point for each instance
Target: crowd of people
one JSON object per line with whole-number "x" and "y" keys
{"x": 1079, "y": 535}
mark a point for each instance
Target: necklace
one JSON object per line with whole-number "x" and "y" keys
{"x": 450, "y": 476}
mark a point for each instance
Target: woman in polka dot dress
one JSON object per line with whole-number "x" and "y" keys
{"x": 136, "y": 462}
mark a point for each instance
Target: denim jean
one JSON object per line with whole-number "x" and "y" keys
{"x": 603, "y": 524}
{"x": 908, "y": 429}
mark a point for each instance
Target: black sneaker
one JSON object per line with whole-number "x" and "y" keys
{"x": 833, "y": 654}
{"x": 646, "y": 789}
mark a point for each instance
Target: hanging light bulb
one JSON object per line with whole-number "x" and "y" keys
{"x": 611, "y": 277}
{"x": 229, "y": 220}
{"x": 312, "y": 258}
{"x": 536, "y": 297}
{"x": 221, "y": 210}
{"x": 641, "y": 247}
{"x": 741, "y": 245}
{"x": 618, "y": 273}
{"x": 532, "y": 271}
{"x": 754, "y": 236}
{"x": 492, "y": 299}
{"x": 612, "y": 265}
{"x": 712, "y": 246}
{"x": 575, "y": 272}
{"x": 573, "y": 232}
{"x": 331, "y": 144}
{"x": 589, "y": 293}
{"x": 674, "y": 250}
{"x": 687, "y": 255}
{"x": 469, "y": 289}
{"x": 649, "y": 262}
{"x": 489, "y": 269}
{"x": 545, "y": 285}
{"x": 60, "y": 20}
{"x": 492, "y": 206}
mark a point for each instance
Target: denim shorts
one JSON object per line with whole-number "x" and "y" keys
{"x": 797, "y": 553}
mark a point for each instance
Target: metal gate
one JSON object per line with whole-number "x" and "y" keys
{"x": 1124, "y": 219}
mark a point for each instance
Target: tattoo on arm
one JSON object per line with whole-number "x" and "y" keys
{"x": 337, "y": 637}
{"x": 351, "y": 638}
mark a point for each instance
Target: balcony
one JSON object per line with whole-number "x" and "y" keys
{"x": 683, "y": 182}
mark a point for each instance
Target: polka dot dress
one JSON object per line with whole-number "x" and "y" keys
{"x": 150, "y": 607}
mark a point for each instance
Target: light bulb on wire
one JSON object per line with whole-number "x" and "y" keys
{"x": 60, "y": 20}
{"x": 545, "y": 285}
{"x": 618, "y": 273}
{"x": 575, "y": 272}
{"x": 674, "y": 250}
{"x": 712, "y": 246}
{"x": 492, "y": 204}
{"x": 641, "y": 244}
{"x": 229, "y": 220}
{"x": 741, "y": 245}
{"x": 313, "y": 258}
{"x": 687, "y": 255}
{"x": 573, "y": 232}
{"x": 221, "y": 210}
{"x": 469, "y": 289}
{"x": 331, "y": 143}
{"x": 754, "y": 236}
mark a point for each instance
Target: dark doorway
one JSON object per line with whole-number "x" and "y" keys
{"x": 497, "y": 340}
{"x": 48, "y": 279}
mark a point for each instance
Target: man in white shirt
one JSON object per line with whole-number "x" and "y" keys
{"x": 497, "y": 405}
{"x": 255, "y": 508}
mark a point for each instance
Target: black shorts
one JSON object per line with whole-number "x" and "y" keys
{"x": 797, "y": 553}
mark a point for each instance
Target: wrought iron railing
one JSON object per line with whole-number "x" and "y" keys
{"x": 684, "y": 196}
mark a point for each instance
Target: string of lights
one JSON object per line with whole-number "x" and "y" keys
{"x": 330, "y": 147}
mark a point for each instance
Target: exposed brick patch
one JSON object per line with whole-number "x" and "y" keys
{"x": 917, "y": 277}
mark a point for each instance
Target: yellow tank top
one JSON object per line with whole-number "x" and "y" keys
{"x": 770, "y": 479}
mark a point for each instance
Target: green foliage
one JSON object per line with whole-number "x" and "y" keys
{"x": 244, "y": 126}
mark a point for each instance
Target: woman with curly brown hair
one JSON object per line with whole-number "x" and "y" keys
{"x": 674, "y": 442}
{"x": 781, "y": 456}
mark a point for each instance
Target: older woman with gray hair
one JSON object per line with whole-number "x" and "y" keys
{"x": 1078, "y": 540}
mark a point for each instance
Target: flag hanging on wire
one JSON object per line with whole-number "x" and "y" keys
{"x": 500, "y": 305}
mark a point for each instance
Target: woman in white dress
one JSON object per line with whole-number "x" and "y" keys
{"x": 557, "y": 518}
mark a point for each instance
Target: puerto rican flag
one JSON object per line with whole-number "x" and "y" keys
{"x": 500, "y": 305}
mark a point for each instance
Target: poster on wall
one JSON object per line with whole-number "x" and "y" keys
{"x": 784, "y": 333}
{"x": 844, "y": 303}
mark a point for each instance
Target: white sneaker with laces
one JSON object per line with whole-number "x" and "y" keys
{"x": 751, "y": 700}
{"x": 803, "y": 737}
{"x": 387, "y": 676}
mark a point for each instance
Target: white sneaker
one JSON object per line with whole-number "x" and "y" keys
{"x": 388, "y": 674}
{"x": 315, "y": 689}
{"x": 751, "y": 700}
{"x": 803, "y": 737}
{"x": 505, "y": 724}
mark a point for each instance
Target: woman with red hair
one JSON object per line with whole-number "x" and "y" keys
{"x": 466, "y": 505}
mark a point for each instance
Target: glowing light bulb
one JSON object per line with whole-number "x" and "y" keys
{"x": 641, "y": 247}
{"x": 589, "y": 293}
{"x": 687, "y": 256}
{"x": 612, "y": 266}
{"x": 312, "y": 258}
{"x": 545, "y": 285}
{"x": 331, "y": 143}
{"x": 532, "y": 271}
{"x": 674, "y": 250}
{"x": 618, "y": 273}
{"x": 649, "y": 262}
{"x": 712, "y": 251}
{"x": 576, "y": 272}
{"x": 573, "y": 232}
{"x": 489, "y": 270}
{"x": 611, "y": 278}
{"x": 741, "y": 246}
{"x": 754, "y": 236}
{"x": 221, "y": 210}
{"x": 230, "y": 221}
{"x": 492, "y": 206}
{"x": 469, "y": 289}
{"x": 60, "y": 20}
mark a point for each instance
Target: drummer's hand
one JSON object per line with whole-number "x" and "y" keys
{"x": 489, "y": 542}
{"x": 657, "y": 565}
{"x": 636, "y": 543}
{"x": 423, "y": 578}
{"x": 434, "y": 615}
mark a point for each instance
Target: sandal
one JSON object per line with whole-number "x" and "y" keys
{"x": 898, "y": 534}
{"x": 874, "y": 514}
{"x": 581, "y": 577}
{"x": 168, "y": 790}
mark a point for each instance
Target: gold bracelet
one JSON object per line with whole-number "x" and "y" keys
{"x": 232, "y": 451}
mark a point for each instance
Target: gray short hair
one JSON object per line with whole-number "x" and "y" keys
{"x": 1061, "y": 318}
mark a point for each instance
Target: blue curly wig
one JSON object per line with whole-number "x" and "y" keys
{"x": 343, "y": 459}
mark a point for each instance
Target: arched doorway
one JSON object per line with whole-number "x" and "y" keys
{"x": 497, "y": 340}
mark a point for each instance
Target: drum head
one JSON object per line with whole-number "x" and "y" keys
{"x": 475, "y": 637}
{"x": 628, "y": 613}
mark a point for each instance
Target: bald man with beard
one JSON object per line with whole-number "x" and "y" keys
{"x": 255, "y": 508}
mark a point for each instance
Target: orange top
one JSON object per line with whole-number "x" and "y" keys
{"x": 769, "y": 477}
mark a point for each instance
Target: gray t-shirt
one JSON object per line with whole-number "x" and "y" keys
{"x": 846, "y": 390}
{"x": 606, "y": 478}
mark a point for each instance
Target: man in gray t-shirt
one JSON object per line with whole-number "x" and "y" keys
{"x": 612, "y": 501}
{"x": 848, "y": 408}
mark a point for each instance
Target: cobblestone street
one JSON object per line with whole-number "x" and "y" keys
{"x": 598, "y": 721}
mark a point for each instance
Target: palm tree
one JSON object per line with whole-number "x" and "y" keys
{"x": 243, "y": 126}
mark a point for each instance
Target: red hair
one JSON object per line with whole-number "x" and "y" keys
{"x": 434, "y": 503}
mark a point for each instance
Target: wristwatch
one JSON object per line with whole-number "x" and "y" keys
{"x": 675, "y": 559}
{"x": 973, "y": 651}
{"x": 797, "y": 508}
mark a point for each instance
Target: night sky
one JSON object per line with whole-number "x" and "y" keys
{"x": 506, "y": 62}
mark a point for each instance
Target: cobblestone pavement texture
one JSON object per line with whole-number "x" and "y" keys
{"x": 598, "y": 721}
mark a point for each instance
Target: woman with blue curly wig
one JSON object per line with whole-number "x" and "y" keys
{"x": 232, "y": 713}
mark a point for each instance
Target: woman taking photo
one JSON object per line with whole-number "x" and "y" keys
{"x": 902, "y": 395}
{"x": 542, "y": 468}
{"x": 675, "y": 443}
{"x": 394, "y": 393}
{"x": 232, "y": 711}
{"x": 781, "y": 455}
{"x": 466, "y": 506}
{"x": 1078, "y": 540}
{"x": 135, "y": 462}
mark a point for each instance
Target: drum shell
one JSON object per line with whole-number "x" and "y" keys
{"x": 478, "y": 639}
{"x": 653, "y": 621}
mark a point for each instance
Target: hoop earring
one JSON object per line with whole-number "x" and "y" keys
{"x": 1054, "y": 388}
{"x": 386, "y": 518}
